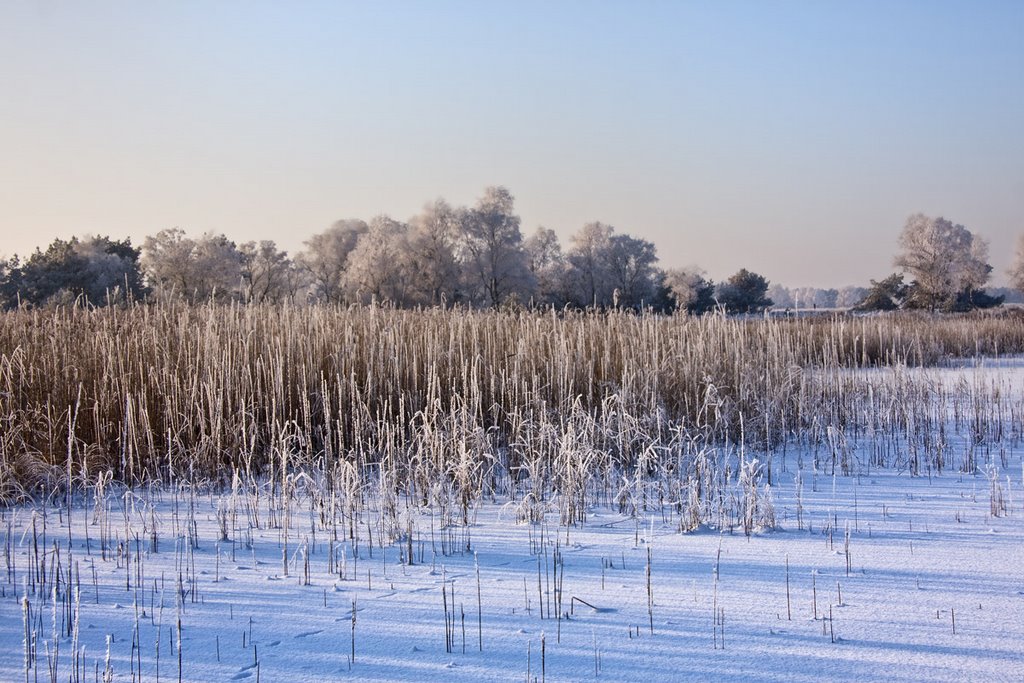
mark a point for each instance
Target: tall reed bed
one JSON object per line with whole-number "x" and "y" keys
{"x": 450, "y": 405}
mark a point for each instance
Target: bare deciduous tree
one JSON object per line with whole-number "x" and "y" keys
{"x": 268, "y": 275}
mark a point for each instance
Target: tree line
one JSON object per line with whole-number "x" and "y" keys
{"x": 471, "y": 256}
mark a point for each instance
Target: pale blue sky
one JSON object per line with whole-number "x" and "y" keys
{"x": 790, "y": 138}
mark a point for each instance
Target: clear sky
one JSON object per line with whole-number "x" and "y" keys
{"x": 789, "y": 138}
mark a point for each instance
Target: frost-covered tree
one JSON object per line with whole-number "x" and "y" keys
{"x": 166, "y": 261}
{"x": 812, "y": 297}
{"x": 491, "y": 250}
{"x": 803, "y": 298}
{"x": 631, "y": 271}
{"x": 588, "y": 280}
{"x": 690, "y": 290}
{"x": 944, "y": 259}
{"x": 325, "y": 258}
{"x": 377, "y": 267}
{"x": 113, "y": 269}
{"x": 976, "y": 268}
{"x": 850, "y": 296}
{"x": 609, "y": 269}
{"x": 97, "y": 270}
{"x": 744, "y": 292}
{"x": 268, "y": 275}
{"x": 216, "y": 268}
{"x": 433, "y": 268}
{"x": 782, "y": 296}
{"x": 176, "y": 265}
{"x": 547, "y": 266}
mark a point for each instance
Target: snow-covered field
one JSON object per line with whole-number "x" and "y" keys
{"x": 876, "y": 576}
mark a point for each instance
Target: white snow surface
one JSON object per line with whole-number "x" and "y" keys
{"x": 934, "y": 589}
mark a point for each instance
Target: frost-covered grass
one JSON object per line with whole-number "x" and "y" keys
{"x": 169, "y": 392}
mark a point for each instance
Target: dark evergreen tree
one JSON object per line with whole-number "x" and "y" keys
{"x": 885, "y": 295}
{"x": 744, "y": 292}
{"x": 97, "y": 270}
